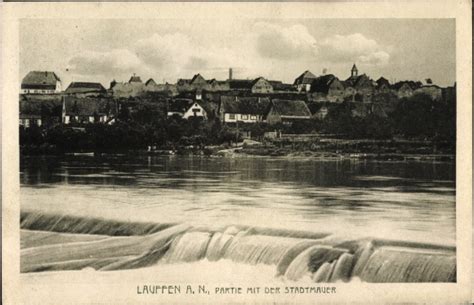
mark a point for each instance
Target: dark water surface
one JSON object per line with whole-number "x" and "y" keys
{"x": 396, "y": 200}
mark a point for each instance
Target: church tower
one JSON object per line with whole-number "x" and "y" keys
{"x": 354, "y": 71}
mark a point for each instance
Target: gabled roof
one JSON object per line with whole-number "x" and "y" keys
{"x": 322, "y": 83}
{"x": 135, "y": 79}
{"x": 382, "y": 81}
{"x": 290, "y": 108}
{"x": 85, "y": 87}
{"x": 180, "y": 105}
{"x": 305, "y": 78}
{"x": 197, "y": 79}
{"x": 89, "y": 106}
{"x": 40, "y": 80}
{"x": 358, "y": 81}
{"x": 244, "y": 105}
{"x": 150, "y": 82}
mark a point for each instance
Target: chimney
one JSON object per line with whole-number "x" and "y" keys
{"x": 230, "y": 73}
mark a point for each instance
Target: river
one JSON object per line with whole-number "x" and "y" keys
{"x": 261, "y": 202}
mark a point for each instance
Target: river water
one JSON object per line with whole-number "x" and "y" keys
{"x": 412, "y": 201}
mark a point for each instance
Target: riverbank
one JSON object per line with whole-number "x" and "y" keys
{"x": 365, "y": 149}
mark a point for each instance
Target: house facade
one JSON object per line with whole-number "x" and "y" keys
{"x": 287, "y": 111}
{"x": 88, "y": 110}
{"x": 29, "y": 120}
{"x": 259, "y": 85}
{"x": 233, "y": 109}
{"x": 40, "y": 82}
{"x": 327, "y": 88}
{"x": 186, "y": 108}
{"x": 433, "y": 91}
{"x": 304, "y": 81}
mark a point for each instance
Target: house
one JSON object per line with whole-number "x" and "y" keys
{"x": 285, "y": 111}
{"x": 433, "y": 91}
{"x": 279, "y": 86}
{"x": 304, "y": 81}
{"x": 151, "y": 82}
{"x": 85, "y": 87}
{"x": 135, "y": 79}
{"x": 318, "y": 110}
{"x": 30, "y": 113}
{"x": 40, "y": 110}
{"x": 29, "y": 120}
{"x": 403, "y": 89}
{"x": 40, "y": 82}
{"x": 327, "y": 88}
{"x": 258, "y": 85}
{"x": 134, "y": 87}
{"x": 383, "y": 85}
{"x": 196, "y": 83}
{"x": 363, "y": 87}
{"x": 358, "y": 87}
{"x": 88, "y": 110}
{"x": 186, "y": 108}
{"x": 233, "y": 109}
{"x": 261, "y": 85}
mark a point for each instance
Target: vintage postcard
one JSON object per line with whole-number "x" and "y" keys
{"x": 237, "y": 153}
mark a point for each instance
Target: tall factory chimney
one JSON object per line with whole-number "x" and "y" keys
{"x": 230, "y": 73}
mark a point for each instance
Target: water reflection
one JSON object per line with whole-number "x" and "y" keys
{"x": 343, "y": 195}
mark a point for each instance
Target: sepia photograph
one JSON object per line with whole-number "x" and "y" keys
{"x": 236, "y": 157}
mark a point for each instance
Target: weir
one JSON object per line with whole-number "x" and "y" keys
{"x": 295, "y": 255}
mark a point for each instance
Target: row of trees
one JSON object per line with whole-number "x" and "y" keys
{"x": 148, "y": 125}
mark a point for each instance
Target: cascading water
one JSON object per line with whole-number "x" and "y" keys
{"x": 49, "y": 243}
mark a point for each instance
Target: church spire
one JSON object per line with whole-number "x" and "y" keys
{"x": 354, "y": 71}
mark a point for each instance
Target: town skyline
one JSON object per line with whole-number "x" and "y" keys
{"x": 167, "y": 50}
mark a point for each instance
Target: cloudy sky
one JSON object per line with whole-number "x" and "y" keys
{"x": 279, "y": 49}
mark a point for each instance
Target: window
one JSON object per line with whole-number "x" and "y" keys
{"x": 244, "y": 117}
{"x": 231, "y": 116}
{"x": 253, "y": 117}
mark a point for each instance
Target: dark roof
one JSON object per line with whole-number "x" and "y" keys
{"x": 183, "y": 81}
{"x": 322, "y": 83}
{"x": 150, "y": 82}
{"x": 280, "y": 86}
{"x": 40, "y": 80}
{"x": 357, "y": 81}
{"x": 84, "y": 87}
{"x": 135, "y": 79}
{"x": 241, "y": 84}
{"x": 244, "y": 105}
{"x": 412, "y": 84}
{"x": 180, "y": 105}
{"x": 315, "y": 107}
{"x": 305, "y": 78}
{"x": 291, "y": 108}
{"x": 383, "y": 81}
{"x": 89, "y": 106}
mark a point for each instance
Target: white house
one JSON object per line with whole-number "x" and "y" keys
{"x": 186, "y": 108}
{"x": 233, "y": 109}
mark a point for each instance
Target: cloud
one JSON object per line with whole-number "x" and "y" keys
{"x": 353, "y": 48}
{"x": 275, "y": 41}
{"x": 104, "y": 63}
